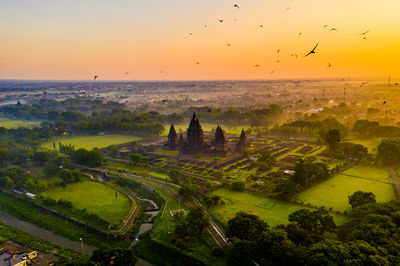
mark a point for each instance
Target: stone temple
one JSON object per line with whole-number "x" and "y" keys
{"x": 195, "y": 143}
{"x": 173, "y": 142}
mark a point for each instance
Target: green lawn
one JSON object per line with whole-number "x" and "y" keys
{"x": 122, "y": 165}
{"x": 97, "y": 198}
{"x": 334, "y": 192}
{"x": 371, "y": 144}
{"x": 15, "y": 123}
{"x": 369, "y": 172}
{"x": 243, "y": 201}
{"x": 90, "y": 142}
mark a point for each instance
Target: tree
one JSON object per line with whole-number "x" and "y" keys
{"x": 245, "y": 226}
{"x": 197, "y": 221}
{"x": 113, "y": 256}
{"x": 240, "y": 254}
{"x": 359, "y": 198}
{"x": 175, "y": 176}
{"x": 389, "y": 151}
{"x": 238, "y": 186}
{"x": 332, "y": 138}
{"x": 318, "y": 221}
{"x": 136, "y": 157}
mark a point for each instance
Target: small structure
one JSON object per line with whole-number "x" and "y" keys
{"x": 195, "y": 138}
{"x": 242, "y": 142}
{"x": 173, "y": 142}
{"x": 220, "y": 147}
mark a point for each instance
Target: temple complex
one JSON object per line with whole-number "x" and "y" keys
{"x": 195, "y": 142}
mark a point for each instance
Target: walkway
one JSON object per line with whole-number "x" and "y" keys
{"x": 395, "y": 181}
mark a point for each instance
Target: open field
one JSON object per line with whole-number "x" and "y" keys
{"x": 369, "y": 172}
{"x": 90, "y": 142}
{"x": 173, "y": 153}
{"x": 182, "y": 127}
{"x": 371, "y": 144}
{"x": 97, "y": 198}
{"x": 334, "y": 192}
{"x": 243, "y": 201}
{"x": 15, "y": 123}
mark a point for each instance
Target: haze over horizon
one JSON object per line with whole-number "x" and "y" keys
{"x": 160, "y": 40}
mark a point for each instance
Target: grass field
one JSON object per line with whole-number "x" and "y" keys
{"x": 97, "y": 198}
{"x": 243, "y": 201}
{"x": 90, "y": 142}
{"x": 369, "y": 172}
{"x": 160, "y": 151}
{"x": 371, "y": 144}
{"x": 334, "y": 192}
{"x": 15, "y": 123}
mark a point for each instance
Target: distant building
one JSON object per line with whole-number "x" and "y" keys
{"x": 30, "y": 196}
{"x": 220, "y": 147}
{"x": 242, "y": 143}
{"x": 173, "y": 142}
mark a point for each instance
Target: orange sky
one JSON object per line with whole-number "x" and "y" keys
{"x": 150, "y": 39}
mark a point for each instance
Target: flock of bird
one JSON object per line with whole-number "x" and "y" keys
{"x": 313, "y": 51}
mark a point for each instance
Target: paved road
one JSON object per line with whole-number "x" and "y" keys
{"x": 395, "y": 181}
{"x": 44, "y": 234}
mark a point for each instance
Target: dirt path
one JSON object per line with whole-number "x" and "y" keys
{"x": 395, "y": 181}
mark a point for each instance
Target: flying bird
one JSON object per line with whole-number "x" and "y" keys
{"x": 228, "y": 44}
{"x": 277, "y": 61}
{"x": 300, "y": 33}
{"x": 95, "y": 77}
{"x": 236, "y": 6}
{"x": 362, "y": 84}
{"x": 221, "y": 20}
{"x": 126, "y": 73}
{"x": 312, "y": 51}
{"x": 197, "y": 63}
{"x": 205, "y": 26}
{"x": 333, "y": 29}
{"x": 278, "y": 51}
{"x": 273, "y": 71}
{"x": 329, "y": 65}
{"x": 288, "y": 8}
{"x": 256, "y": 65}
{"x": 295, "y": 55}
{"x": 261, "y": 26}
{"x": 363, "y": 33}
{"x": 325, "y": 26}
{"x": 190, "y": 33}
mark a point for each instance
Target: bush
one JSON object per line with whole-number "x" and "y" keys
{"x": 238, "y": 186}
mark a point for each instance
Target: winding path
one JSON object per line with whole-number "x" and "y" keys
{"x": 395, "y": 181}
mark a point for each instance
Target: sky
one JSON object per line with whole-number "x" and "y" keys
{"x": 164, "y": 40}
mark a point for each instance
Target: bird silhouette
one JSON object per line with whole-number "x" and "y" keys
{"x": 273, "y": 71}
{"x": 295, "y": 55}
{"x": 329, "y": 65}
{"x": 384, "y": 102}
{"x": 333, "y": 29}
{"x": 300, "y": 33}
{"x": 363, "y": 33}
{"x": 190, "y": 33}
{"x": 278, "y": 51}
{"x": 362, "y": 84}
{"x": 277, "y": 61}
{"x": 312, "y": 51}
{"x": 300, "y": 100}
{"x": 126, "y": 73}
{"x": 288, "y": 8}
{"x": 221, "y": 20}
{"x": 261, "y": 26}
{"x": 236, "y": 6}
{"x": 95, "y": 77}
{"x": 197, "y": 63}
{"x": 256, "y": 65}
{"x": 228, "y": 44}
{"x": 396, "y": 84}
{"x": 325, "y": 26}
{"x": 205, "y": 26}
